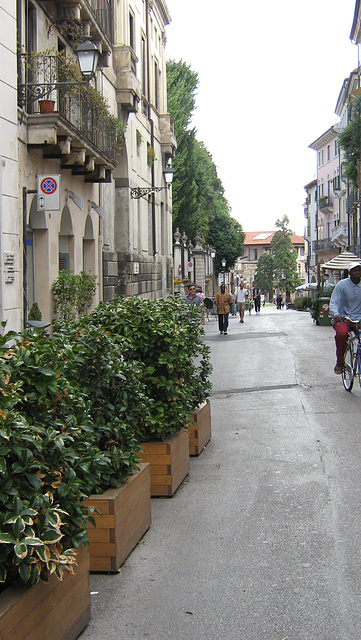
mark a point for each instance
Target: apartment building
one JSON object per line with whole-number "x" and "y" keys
{"x": 83, "y": 157}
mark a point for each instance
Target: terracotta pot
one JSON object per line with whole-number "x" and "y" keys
{"x": 47, "y": 106}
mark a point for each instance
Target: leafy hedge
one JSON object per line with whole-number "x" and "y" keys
{"x": 74, "y": 410}
{"x": 166, "y": 337}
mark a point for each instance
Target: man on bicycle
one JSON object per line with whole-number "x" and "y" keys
{"x": 345, "y": 302}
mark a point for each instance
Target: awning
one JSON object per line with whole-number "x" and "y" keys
{"x": 309, "y": 286}
{"x": 340, "y": 262}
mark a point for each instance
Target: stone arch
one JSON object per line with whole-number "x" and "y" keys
{"x": 89, "y": 245}
{"x": 66, "y": 241}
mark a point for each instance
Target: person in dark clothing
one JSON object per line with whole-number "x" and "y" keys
{"x": 256, "y": 296}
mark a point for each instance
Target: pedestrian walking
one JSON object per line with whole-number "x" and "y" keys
{"x": 256, "y": 296}
{"x": 193, "y": 297}
{"x": 241, "y": 297}
{"x": 223, "y": 302}
{"x": 234, "y": 305}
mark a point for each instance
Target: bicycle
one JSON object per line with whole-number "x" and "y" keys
{"x": 352, "y": 364}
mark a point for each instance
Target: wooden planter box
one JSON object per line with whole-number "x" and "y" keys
{"x": 199, "y": 428}
{"x": 169, "y": 463}
{"x": 48, "y": 611}
{"x": 125, "y": 518}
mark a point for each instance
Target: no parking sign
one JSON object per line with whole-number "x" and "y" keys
{"x": 48, "y": 192}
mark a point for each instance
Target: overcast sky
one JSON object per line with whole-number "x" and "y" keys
{"x": 270, "y": 73}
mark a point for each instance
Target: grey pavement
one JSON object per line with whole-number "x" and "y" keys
{"x": 262, "y": 541}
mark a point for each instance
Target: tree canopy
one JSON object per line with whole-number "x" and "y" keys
{"x": 199, "y": 204}
{"x": 265, "y": 273}
{"x": 284, "y": 257}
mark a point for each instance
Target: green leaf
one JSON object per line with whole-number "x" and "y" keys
{"x": 24, "y": 571}
{"x": 21, "y": 550}
{"x": 7, "y": 538}
{"x": 33, "y": 542}
{"x": 2, "y": 573}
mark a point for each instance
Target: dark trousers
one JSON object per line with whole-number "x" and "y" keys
{"x": 257, "y": 304}
{"x": 223, "y": 321}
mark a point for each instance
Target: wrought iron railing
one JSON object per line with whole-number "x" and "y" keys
{"x": 52, "y": 78}
{"x": 322, "y": 245}
{"x": 103, "y": 13}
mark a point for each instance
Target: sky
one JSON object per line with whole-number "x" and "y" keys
{"x": 270, "y": 73}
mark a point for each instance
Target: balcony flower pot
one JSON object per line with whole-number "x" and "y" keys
{"x": 125, "y": 517}
{"x": 199, "y": 428}
{"x": 54, "y": 609}
{"x": 169, "y": 462}
{"x": 47, "y": 106}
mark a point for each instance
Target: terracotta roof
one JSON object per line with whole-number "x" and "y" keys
{"x": 264, "y": 238}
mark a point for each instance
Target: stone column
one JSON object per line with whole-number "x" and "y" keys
{"x": 199, "y": 259}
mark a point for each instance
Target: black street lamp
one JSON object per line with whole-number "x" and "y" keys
{"x": 224, "y": 262}
{"x": 213, "y": 255}
{"x": 88, "y": 56}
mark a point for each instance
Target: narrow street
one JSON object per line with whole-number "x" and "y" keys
{"x": 262, "y": 541}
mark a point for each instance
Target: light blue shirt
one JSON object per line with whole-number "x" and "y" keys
{"x": 346, "y": 300}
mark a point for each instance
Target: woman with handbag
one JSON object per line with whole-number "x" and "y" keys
{"x": 223, "y": 302}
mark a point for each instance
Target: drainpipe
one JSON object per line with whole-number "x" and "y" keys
{"x": 154, "y": 235}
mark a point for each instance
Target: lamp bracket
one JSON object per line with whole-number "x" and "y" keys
{"x": 143, "y": 192}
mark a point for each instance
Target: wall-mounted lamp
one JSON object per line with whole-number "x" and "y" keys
{"x": 88, "y": 55}
{"x": 142, "y": 192}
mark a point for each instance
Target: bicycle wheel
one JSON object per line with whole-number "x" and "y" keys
{"x": 350, "y": 363}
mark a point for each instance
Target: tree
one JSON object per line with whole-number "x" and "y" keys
{"x": 350, "y": 141}
{"x": 265, "y": 273}
{"x": 199, "y": 204}
{"x": 284, "y": 257}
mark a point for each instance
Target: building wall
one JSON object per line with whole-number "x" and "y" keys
{"x": 10, "y": 223}
{"x": 141, "y": 243}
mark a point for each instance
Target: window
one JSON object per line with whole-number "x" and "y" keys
{"x": 254, "y": 254}
{"x": 143, "y": 61}
{"x": 336, "y": 148}
{"x": 156, "y": 85}
{"x": 328, "y": 153}
{"x": 131, "y": 31}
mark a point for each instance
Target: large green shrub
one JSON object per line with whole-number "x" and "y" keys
{"x": 73, "y": 294}
{"x": 94, "y": 363}
{"x": 62, "y": 437}
{"x": 166, "y": 337}
{"x": 42, "y": 519}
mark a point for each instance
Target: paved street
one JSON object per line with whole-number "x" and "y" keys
{"x": 262, "y": 541}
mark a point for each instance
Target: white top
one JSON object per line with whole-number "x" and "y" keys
{"x": 241, "y": 295}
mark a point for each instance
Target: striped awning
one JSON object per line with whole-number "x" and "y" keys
{"x": 340, "y": 262}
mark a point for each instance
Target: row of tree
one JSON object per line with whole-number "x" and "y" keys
{"x": 199, "y": 204}
{"x": 198, "y": 195}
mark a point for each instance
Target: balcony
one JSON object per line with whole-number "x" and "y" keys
{"x": 325, "y": 204}
{"x": 127, "y": 84}
{"x": 76, "y": 18}
{"x": 79, "y": 129}
{"x": 340, "y": 235}
{"x": 322, "y": 245}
